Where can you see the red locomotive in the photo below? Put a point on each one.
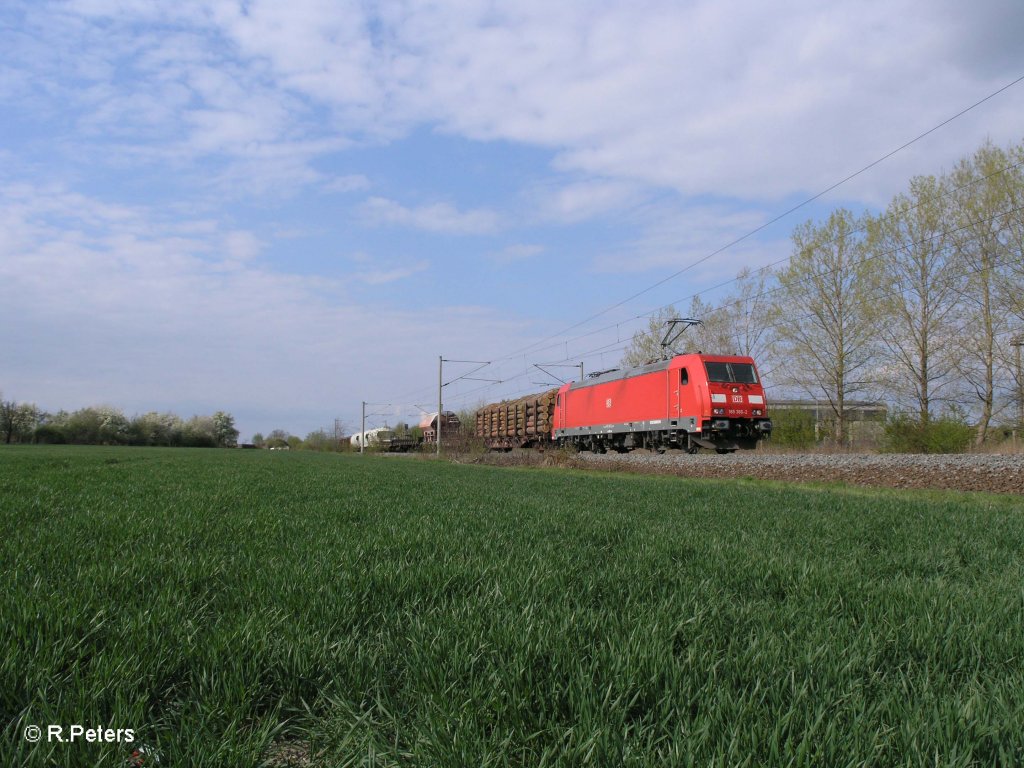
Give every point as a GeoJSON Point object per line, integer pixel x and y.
{"type": "Point", "coordinates": [690, 401]}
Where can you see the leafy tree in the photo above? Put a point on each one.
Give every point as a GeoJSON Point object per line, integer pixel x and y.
{"type": "Point", "coordinates": [751, 312]}
{"type": "Point", "coordinates": [949, 433]}
{"type": "Point", "coordinates": [984, 245]}
{"type": "Point", "coordinates": [155, 429]}
{"type": "Point", "coordinates": [793, 428]}
{"type": "Point", "coordinates": [49, 434]}
{"type": "Point", "coordinates": [8, 409]}
{"type": "Point", "coordinates": [257, 440]}
{"type": "Point", "coordinates": [17, 421]}
{"type": "Point", "coordinates": [741, 324]}
{"type": "Point", "coordinates": [198, 432]}
{"type": "Point", "coordinates": [738, 325]}
{"type": "Point", "coordinates": [330, 438]}
{"type": "Point", "coordinates": [82, 427]}
{"type": "Point", "coordinates": [827, 330]}
{"type": "Point", "coordinates": [1011, 277]}
{"type": "Point", "coordinates": [921, 282]}
{"type": "Point", "coordinates": [319, 440]}
{"type": "Point", "coordinates": [278, 438]}
{"type": "Point", "coordinates": [645, 346]}
{"type": "Point", "coordinates": [224, 432]}
{"type": "Point", "coordinates": [712, 335]}
{"type": "Point", "coordinates": [113, 426]}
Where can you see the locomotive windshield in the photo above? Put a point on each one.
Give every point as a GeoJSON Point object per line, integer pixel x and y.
{"type": "Point", "coordinates": [731, 373]}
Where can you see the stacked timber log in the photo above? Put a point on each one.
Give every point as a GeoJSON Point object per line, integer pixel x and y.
{"type": "Point", "coordinates": [518, 421]}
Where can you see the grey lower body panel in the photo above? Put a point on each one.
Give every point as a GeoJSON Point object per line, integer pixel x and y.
{"type": "Point", "coordinates": [690, 433]}
{"type": "Point", "coordinates": [686, 424]}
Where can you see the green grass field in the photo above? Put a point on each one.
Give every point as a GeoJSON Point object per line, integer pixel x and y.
{"type": "Point", "coordinates": [236, 607]}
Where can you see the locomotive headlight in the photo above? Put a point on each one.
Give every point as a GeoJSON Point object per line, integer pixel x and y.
{"type": "Point", "coordinates": [718, 411]}
{"type": "Point", "coordinates": [757, 412]}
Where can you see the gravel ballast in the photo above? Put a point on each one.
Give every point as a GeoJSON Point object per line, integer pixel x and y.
{"type": "Point", "coordinates": [962, 472]}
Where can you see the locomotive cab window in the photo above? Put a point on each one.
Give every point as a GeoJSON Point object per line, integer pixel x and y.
{"type": "Point", "coordinates": [731, 373]}
{"type": "Point", "coordinates": [684, 377]}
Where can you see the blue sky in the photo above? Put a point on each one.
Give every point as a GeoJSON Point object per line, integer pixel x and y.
{"type": "Point", "coordinates": [284, 209]}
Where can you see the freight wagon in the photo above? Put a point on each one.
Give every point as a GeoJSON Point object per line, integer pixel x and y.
{"type": "Point", "coordinates": [690, 401]}
{"type": "Point", "coordinates": [385, 439]}
{"type": "Point", "coordinates": [522, 423]}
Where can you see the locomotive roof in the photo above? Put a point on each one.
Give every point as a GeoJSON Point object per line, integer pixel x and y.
{"type": "Point", "coordinates": [661, 365]}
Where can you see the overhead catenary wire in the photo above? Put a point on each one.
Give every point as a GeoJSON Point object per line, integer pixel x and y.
{"type": "Point", "coordinates": [618, 324]}
{"type": "Point", "coordinates": [777, 262]}
{"type": "Point", "coordinates": [534, 346]}
{"type": "Point", "coordinates": [611, 347]}
{"type": "Point", "coordinates": [782, 215]}
{"type": "Point", "coordinates": [761, 270]}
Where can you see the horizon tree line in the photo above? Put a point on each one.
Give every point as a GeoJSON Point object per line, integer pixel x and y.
{"type": "Point", "coordinates": [106, 425]}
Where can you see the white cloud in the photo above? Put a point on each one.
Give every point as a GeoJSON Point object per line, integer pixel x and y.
{"type": "Point", "coordinates": [730, 96]}
{"type": "Point", "coordinates": [727, 97]}
{"type": "Point", "coordinates": [516, 253]}
{"type": "Point", "coordinates": [674, 237]}
{"type": "Point", "coordinates": [240, 245]}
{"type": "Point", "coordinates": [348, 183]}
{"type": "Point", "coordinates": [579, 201]}
{"type": "Point", "coordinates": [384, 276]}
{"type": "Point", "coordinates": [433, 217]}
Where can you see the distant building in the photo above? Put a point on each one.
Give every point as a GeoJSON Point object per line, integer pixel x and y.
{"type": "Point", "coordinates": [865, 420]}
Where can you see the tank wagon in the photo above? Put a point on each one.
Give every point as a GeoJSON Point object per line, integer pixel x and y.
{"type": "Point", "coordinates": [690, 401]}
{"type": "Point", "coordinates": [385, 439]}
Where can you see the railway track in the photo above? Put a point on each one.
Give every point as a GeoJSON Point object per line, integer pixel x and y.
{"type": "Point", "coordinates": [993, 473]}
{"type": "Point", "coordinates": [962, 472]}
